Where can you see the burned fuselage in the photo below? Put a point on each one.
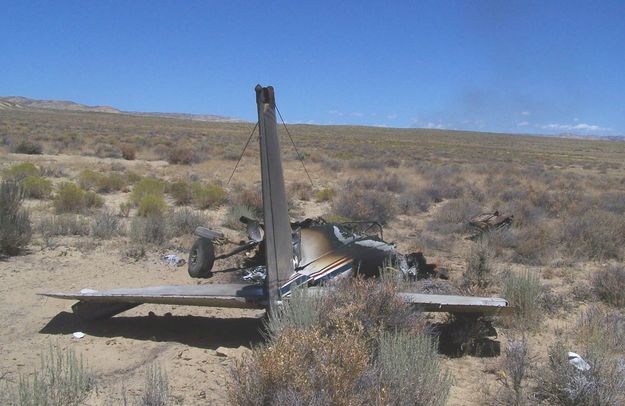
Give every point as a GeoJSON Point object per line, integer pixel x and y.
{"type": "Point", "coordinates": [325, 251]}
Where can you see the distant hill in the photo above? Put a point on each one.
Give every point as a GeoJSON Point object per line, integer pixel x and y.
{"type": "Point", "coordinates": [18, 102]}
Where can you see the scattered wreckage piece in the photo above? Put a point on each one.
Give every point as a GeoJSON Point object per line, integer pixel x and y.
{"type": "Point", "coordinates": [486, 222]}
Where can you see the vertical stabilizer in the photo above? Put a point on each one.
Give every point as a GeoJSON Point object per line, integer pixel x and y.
{"type": "Point", "coordinates": [278, 242]}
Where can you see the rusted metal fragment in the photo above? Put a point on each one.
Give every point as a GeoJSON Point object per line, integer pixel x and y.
{"type": "Point", "coordinates": [489, 222]}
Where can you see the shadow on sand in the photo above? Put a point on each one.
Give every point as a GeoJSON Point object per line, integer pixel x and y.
{"type": "Point", "coordinates": [201, 332]}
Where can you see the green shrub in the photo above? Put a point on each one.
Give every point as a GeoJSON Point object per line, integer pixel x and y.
{"type": "Point", "coordinates": [479, 269]}
{"type": "Point", "coordinates": [146, 187]}
{"type": "Point", "coordinates": [15, 228]}
{"type": "Point", "coordinates": [18, 172]}
{"type": "Point", "coordinates": [151, 205]}
{"type": "Point", "coordinates": [93, 200]}
{"type": "Point", "coordinates": [409, 370]}
{"type": "Point", "coordinates": [69, 198]}
{"type": "Point", "coordinates": [62, 379]}
{"type": "Point", "coordinates": [103, 150]}
{"type": "Point", "coordinates": [300, 190]}
{"type": "Point", "coordinates": [36, 187]}
{"type": "Point", "coordinates": [149, 230]}
{"type": "Point", "coordinates": [124, 209]}
{"type": "Point", "coordinates": [88, 179]}
{"type": "Point", "coordinates": [181, 192]}
{"type": "Point", "coordinates": [105, 225]}
{"type": "Point", "coordinates": [113, 182]}
{"type": "Point", "coordinates": [208, 196]}
{"type": "Point", "coordinates": [91, 180]}
{"type": "Point", "coordinates": [185, 221]}
{"type": "Point", "coordinates": [324, 195]}
{"type": "Point", "coordinates": [524, 291]}
{"type": "Point", "coordinates": [64, 224]}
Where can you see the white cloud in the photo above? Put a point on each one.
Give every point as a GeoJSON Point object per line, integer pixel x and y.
{"type": "Point", "coordinates": [523, 124]}
{"type": "Point", "coordinates": [574, 127]}
{"type": "Point", "coordinates": [336, 113]}
{"type": "Point", "coordinates": [392, 116]}
{"type": "Point", "coordinates": [434, 125]}
{"type": "Point", "coordinates": [522, 113]}
{"type": "Point", "coordinates": [356, 114]}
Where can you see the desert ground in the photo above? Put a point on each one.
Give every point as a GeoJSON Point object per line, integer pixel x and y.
{"type": "Point", "coordinates": [567, 197]}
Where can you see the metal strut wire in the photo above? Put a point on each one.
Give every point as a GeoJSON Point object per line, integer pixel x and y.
{"type": "Point", "coordinates": [242, 152]}
{"type": "Point", "coordinates": [300, 157]}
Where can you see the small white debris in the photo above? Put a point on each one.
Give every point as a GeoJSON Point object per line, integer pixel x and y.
{"type": "Point", "coordinates": [78, 334]}
{"type": "Point", "coordinates": [173, 260]}
{"type": "Point", "coordinates": [86, 290]}
{"type": "Point", "coordinates": [578, 362]}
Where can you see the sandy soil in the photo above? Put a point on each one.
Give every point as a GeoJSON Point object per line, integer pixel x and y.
{"type": "Point", "coordinates": [195, 346]}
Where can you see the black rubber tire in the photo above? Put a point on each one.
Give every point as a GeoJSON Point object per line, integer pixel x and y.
{"type": "Point", "coordinates": [201, 258]}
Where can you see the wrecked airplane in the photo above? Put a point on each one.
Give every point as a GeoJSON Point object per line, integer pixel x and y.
{"type": "Point", "coordinates": [284, 255]}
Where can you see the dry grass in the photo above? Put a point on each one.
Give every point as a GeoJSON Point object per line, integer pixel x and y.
{"type": "Point", "coordinates": [15, 228]}
{"type": "Point", "coordinates": [567, 198]}
{"type": "Point", "coordinates": [363, 345]}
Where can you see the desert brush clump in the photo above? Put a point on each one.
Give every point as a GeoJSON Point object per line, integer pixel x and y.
{"type": "Point", "coordinates": [147, 187]}
{"type": "Point", "coordinates": [358, 345]}
{"type": "Point", "coordinates": [150, 205]}
{"type": "Point", "coordinates": [15, 227]}
{"type": "Point", "coordinates": [181, 192]}
{"type": "Point", "coordinates": [234, 214]}
{"type": "Point", "coordinates": [524, 292]}
{"type": "Point", "coordinates": [185, 220]}
{"type": "Point", "coordinates": [152, 229]}
{"type": "Point", "coordinates": [479, 272]}
{"type": "Point", "coordinates": [106, 225]}
{"type": "Point", "coordinates": [36, 187]}
{"type": "Point", "coordinates": [561, 383]}
{"type": "Point", "coordinates": [358, 204]}
{"type": "Point", "coordinates": [324, 195]}
{"type": "Point", "coordinates": [63, 225]}
{"type": "Point", "coordinates": [18, 172]}
{"type": "Point", "coordinates": [248, 197]}
{"type": "Point", "coordinates": [609, 284]}
{"type": "Point", "coordinates": [91, 180]}
{"type": "Point", "coordinates": [70, 198]}
{"type": "Point", "coordinates": [515, 367]}
{"type": "Point", "coordinates": [28, 147]}
{"type": "Point", "coordinates": [182, 155]}
{"type": "Point", "coordinates": [128, 151]}
{"type": "Point", "coordinates": [206, 196]}
{"type": "Point", "coordinates": [156, 387]}
{"type": "Point", "coordinates": [62, 379]}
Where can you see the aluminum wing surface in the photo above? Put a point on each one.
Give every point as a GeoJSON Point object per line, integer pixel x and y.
{"type": "Point", "coordinates": [218, 295]}
{"type": "Point", "coordinates": [457, 304]}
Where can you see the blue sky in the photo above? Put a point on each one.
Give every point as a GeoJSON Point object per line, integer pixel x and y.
{"type": "Point", "coordinates": [531, 67]}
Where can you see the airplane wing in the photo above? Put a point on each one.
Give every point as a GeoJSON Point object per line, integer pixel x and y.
{"type": "Point", "coordinates": [458, 304]}
{"type": "Point", "coordinates": [107, 303]}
